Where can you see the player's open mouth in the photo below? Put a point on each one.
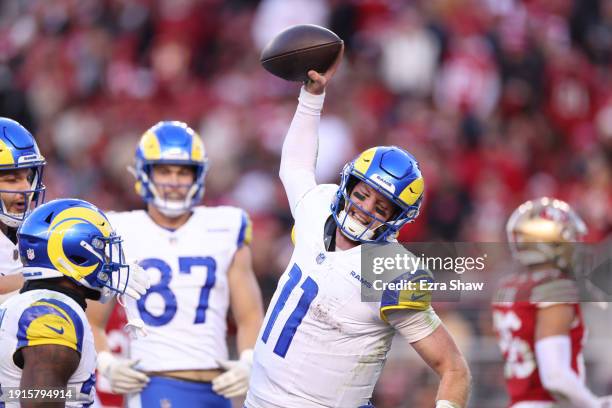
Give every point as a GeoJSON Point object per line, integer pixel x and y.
{"type": "Point", "coordinates": [359, 217]}
{"type": "Point", "coordinates": [18, 207]}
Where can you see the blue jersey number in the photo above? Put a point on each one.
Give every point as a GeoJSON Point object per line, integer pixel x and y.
{"type": "Point", "coordinates": [310, 290]}
{"type": "Point", "coordinates": [163, 289]}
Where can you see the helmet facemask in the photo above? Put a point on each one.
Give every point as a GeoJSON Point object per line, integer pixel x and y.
{"type": "Point", "coordinates": [377, 230]}
{"type": "Point", "coordinates": [171, 207]}
{"type": "Point", "coordinates": [32, 197]}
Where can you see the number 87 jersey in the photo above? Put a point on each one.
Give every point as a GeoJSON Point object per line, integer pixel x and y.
{"type": "Point", "coordinates": [185, 309]}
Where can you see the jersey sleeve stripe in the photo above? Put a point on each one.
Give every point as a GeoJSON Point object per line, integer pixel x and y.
{"type": "Point", "coordinates": [76, 320]}
{"type": "Point", "coordinates": [246, 231]}
{"type": "Point", "coordinates": [49, 321]}
{"type": "Point", "coordinates": [406, 299]}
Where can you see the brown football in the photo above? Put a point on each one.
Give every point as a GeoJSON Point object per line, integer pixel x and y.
{"type": "Point", "coordinates": [298, 49]}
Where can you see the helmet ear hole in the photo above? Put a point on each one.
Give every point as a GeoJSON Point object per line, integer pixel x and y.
{"type": "Point", "coordinates": [49, 218]}
{"type": "Point", "coordinates": [78, 260]}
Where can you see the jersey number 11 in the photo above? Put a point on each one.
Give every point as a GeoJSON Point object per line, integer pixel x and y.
{"type": "Point", "coordinates": [310, 288]}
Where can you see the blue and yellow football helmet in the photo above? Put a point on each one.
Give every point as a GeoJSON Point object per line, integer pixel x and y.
{"type": "Point", "coordinates": [73, 238]}
{"type": "Point", "coordinates": [18, 150]}
{"type": "Point", "coordinates": [170, 142]}
{"type": "Point", "coordinates": [392, 172]}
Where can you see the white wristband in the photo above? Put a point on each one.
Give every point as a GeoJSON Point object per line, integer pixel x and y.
{"type": "Point", "coordinates": [247, 356]}
{"type": "Point", "coordinates": [446, 404]}
{"type": "Point", "coordinates": [105, 359]}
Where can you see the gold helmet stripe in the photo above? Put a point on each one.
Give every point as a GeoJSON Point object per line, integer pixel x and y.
{"type": "Point", "coordinates": [411, 194]}
{"type": "Point", "coordinates": [363, 162]}
{"type": "Point", "coordinates": [6, 157]}
{"type": "Point", "coordinates": [150, 146]}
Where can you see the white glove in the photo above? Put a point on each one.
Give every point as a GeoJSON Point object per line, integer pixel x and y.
{"type": "Point", "coordinates": [120, 373]}
{"type": "Point", "coordinates": [137, 281]}
{"type": "Point", "coordinates": [606, 402]}
{"type": "Point", "coordinates": [234, 381]}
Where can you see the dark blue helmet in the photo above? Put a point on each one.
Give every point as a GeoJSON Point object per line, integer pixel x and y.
{"type": "Point", "coordinates": [18, 150]}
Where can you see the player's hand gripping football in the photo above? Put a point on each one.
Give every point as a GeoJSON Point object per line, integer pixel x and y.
{"type": "Point", "coordinates": [234, 381]}
{"type": "Point", "coordinates": [121, 374]}
{"type": "Point", "coordinates": [317, 82]}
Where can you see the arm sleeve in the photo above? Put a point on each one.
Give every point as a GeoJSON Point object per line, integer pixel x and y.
{"type": "Point", "coordinates": [414, 325]}
{"type": "Point", "coordinates": [553, 355]}
{"type": "Point", "coordinates": [299, 155]}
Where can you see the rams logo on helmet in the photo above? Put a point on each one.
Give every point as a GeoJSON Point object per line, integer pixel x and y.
{"type": "Point", "coordinates": [72, 238]}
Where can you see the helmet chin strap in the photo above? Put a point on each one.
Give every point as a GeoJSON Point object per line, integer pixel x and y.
{"type": "Point", "coordinates": [173, 208]}
{"type": "Point", "coordinates": [12, 220]}
{"type": "Point", "coordinates": [9, 221]}
{"type": "Point", "coordinates": [170, 208]}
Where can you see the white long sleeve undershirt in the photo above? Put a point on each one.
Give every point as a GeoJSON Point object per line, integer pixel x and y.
{"type": "Point", "coordinates": [299, 155]}
{"type": "Point", "coordinates": [553, 355]}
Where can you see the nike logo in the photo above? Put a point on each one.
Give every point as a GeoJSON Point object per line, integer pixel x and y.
{"type": "Point", "coordinates": [414, 297]}
{"type": "Point", "coordinates": [411, 190]}
{"type": "Point", "coordinates": [366, 160]}
{"type": "Point", "coordinates": [58, 331]}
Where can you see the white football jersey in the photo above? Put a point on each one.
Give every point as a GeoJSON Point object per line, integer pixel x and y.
{"type": "Point", "coordinates": [185, 310]}
{"type": "Point", "coordinates": [320, 345]}
{"type": "Point", "coordinates": [9, 262]}
{"type": "Point", "coordinates": [9, 256]}
{"type": "Point", "coordinates": [44, 316]}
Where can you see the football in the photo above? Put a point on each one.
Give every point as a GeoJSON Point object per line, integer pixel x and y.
{"type": "Point", "coordinates": [298, 49]}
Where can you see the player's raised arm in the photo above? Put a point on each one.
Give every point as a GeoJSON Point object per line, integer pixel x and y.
{"type": "Point", "coordinates": [299, 155]}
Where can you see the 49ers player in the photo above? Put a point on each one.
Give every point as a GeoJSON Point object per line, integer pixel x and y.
{"type": "Point", "coordinates": [537, 314]}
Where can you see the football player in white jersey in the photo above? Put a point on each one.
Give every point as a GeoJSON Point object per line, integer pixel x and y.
{"type": "Point", "coordinates": [199, 261]}
{"type": "Point", "coordinates": [320, 345]}
{"type": "Point", "coordinates": [21, 189]}
{"type": "Point", "coordinates": [69, 253]}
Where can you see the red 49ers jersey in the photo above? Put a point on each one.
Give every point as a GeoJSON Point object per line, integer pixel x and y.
{"type": "Point", "coordinates": [515, 306]}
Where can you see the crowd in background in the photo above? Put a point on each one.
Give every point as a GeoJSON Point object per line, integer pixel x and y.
{"type": "Point", "coordinates": [499, 100]}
